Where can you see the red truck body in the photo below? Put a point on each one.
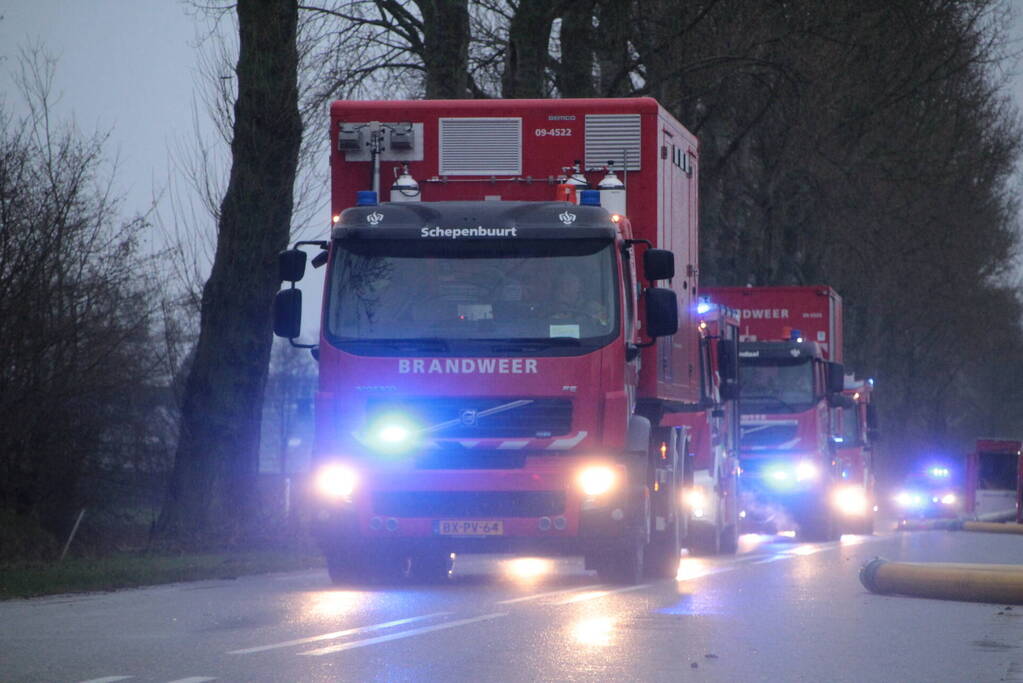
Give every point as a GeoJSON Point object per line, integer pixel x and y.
{"type": "Point", "coordinates": [992, 479]}
{"type": "Point", "coordinates": [854, 451]}
{"type": "Point", "coordinates": [500, 430]}
{"type": "Point", "coordinates": [790, 350]}
{"type": "Point", "coordinates": [713, 429]}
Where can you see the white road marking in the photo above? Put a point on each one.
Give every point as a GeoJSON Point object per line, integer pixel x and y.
{"type": "Point", "coordinates": [548, 594]}
{"type": "Point", "coordinates": [107, 679]}
{"type": "Point", "coordinates": [338, 634]}
{"type": "Point", "coordinates": [593, 595]}
{"type": "Point", "coordinates": [193, 679]}
{"type": "Point", "coordinates": [402, 634]}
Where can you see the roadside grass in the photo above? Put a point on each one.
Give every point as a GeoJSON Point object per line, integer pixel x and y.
{"type": "Point", "coordinates": [77, 575]}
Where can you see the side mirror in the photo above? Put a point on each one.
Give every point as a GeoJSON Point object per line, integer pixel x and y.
{"type": "Point", "coordinates": [288, 313]}
{"type": "Point", "coordinates": [658, 264]}
{"type": "Point", "coordinates": [836, 378]}
{"type": "Point", "coordinates": [871, 416]}
{"type": "Point", "coordinates": [291, 265]}
{"type": "Point", "coordinates": [729, 390]}
{"type": "Point", "coordinates": [661, 312]}
{"type": "Point", "coordinates": [727, 365]}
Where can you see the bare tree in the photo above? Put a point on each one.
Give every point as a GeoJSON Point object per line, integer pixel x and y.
{"type": "Point", "coordinates": [218, 445]}
{"type": "Point", "coordinates": [77, 304]}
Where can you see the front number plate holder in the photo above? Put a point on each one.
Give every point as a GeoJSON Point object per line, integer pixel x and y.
{"type": "Point", "coordinates": [468, 527]}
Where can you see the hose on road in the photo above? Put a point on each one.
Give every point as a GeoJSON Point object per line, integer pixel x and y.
{"type": "Point", "coordinates": [990, 527]}
{"type": "Point", "coordinates": [995, 583]}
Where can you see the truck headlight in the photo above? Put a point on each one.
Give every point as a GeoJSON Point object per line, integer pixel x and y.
{"type": "Point", "coordinates": [696, 500]}
{"type": "Point", "coordinates": [851, 500]}
{"type": "Point", "coordinates": [336, 481]}
{"type": "Point", "coordinates": [806, 471]}
{"type": "Point", "coordinates": [949, 499]}
{"type": "Point", "coordinates": [596, 480]}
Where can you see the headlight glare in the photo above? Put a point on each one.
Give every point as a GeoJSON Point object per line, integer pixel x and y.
{"type": "Point", "coordinates": [596, 480]}
{"type": "Point", "coordinates": [336, 481]}
{"type": "Point", "coordinates": [806, 470]}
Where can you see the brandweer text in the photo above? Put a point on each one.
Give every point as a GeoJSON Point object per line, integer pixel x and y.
{"type": "Point", "coordinates": [468, 366]}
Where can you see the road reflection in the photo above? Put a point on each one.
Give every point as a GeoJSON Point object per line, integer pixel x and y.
{"type": "Point", "coordinates": [331, 604]}
{"type": "Point", "coordinates": [594, 631]}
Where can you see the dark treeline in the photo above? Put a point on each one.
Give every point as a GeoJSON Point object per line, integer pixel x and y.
{"type": "Point", "coordinates": [865, 145]}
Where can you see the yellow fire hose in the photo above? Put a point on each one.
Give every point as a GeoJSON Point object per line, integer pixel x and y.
{"type": "Point", "coordinates": [991, 527]}
{"type": "Point", "coordinates": [997, 583]}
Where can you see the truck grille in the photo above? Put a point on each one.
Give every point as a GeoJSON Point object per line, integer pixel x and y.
{"type": "Point", "coordinates": [469, 504]}
{"type": "Point", "coordinates": [534, 418]}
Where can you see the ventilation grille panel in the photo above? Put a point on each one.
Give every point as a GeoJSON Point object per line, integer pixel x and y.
{"type": "Point", "coordinates": [481, 146]}
{"type": "Point", "coordinates": [613, 137]}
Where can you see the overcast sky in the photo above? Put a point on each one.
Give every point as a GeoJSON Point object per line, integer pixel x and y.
{"type": "Point", "coordinates": [130, 66]}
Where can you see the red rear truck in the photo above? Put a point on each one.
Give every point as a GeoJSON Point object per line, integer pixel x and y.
{"type": "Point", "coordinates": [711, 493]}
{"type": "Point", "coordinates": [791, 378]}
{"type": "Point", "coordinates": [498, 342]}
{"type": "Point", "coordinates": [854, 452]}
{"type": "Point", "coordinates": [991, 485]}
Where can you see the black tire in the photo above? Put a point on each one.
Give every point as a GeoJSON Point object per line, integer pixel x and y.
{"type": "Point", "coordinates": [432, 567]}
{"type": "Point", "coordinates": [704, 539]}
{"type": "Point", "coordinates": [342, 568]}
{"type": "Point", "coordinates": [729, 540]}
{"type": "Point", "coordinates": [623, 566]}
{"type": "Point", "coordinates": [366, 567]}
{"type": "Point", "coordinates": [664, 552]}
{"type": "Point", "coordinates": [817, 526]}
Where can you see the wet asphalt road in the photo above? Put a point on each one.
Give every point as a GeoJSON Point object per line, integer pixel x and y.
{"type": "Point", "coordinates": [778, 611]}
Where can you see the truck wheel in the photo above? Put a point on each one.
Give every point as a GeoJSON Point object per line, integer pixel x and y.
{"type": "Point", "coordinates": [342, 568]}
{"type": "Point", "coordinates": [817, 526]}
{"type": "Point", "coordinates": [704, 539]}
{"type": "Point", "coordinates": [664, 552]}
{"type": "Point", "coordinates": [432, 567]}
{"type": "Point", "coordinates": [623, 566]}
{"type": "Point", "coordinates": [729, 540]}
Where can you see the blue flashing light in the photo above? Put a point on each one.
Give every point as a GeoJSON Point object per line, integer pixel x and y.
{"type": "Point", "coordinates": [366, 198]}
{"type": "Point", "coordinates": [392, 434]}
{"type": "Point", "coordinates": [703, 307]}
{"type": "Point", "coordinates": [796, 336]}
{"type": "Point", "coordinates": [589, 198]}
{"type": "Point", "coordinates": [939, 472]}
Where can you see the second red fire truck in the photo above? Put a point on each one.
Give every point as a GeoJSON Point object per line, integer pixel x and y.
{"type": "Point", "coordinates": [791, 378]}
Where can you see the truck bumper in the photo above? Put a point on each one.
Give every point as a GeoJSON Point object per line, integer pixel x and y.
{"type": "Point", "coordinates": [582, 530]}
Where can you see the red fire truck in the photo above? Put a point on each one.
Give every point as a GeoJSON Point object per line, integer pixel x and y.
{"type": "Point", "coordinates": [498, 342]}
{"type": "Point", "coordinates": [854, 498]}
{"type": "Point", "coordinates": [991, 486]}
{"type": "Point", "coordinates": [711, 493]}
{"type": "Point", "coordinates": [790, 348]}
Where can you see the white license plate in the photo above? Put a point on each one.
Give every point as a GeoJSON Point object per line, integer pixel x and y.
{"type": "Point", "coordinates": [467, 527]}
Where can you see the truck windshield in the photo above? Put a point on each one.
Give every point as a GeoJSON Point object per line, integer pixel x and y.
{"type": "Point", "coordinates": [773, 386]}
{"type": "Point", "coordinates": [473, 295]}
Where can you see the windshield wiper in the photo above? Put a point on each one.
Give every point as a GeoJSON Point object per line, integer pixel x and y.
{"type": "Point", "coordinates": [766, 397]}
{"type": "Point", "coordinates": [529, 344]}
{"type": "Point", "coordinates": [417, 343]}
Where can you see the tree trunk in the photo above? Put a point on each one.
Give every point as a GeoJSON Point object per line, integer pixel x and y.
{"type": "Point", "coordinates": [575, 72]}
{"type": "Point", "coordinates": [445, 48]}
{"type": "Point", "coordinates": [217, 457]}
{"type": "Point", "coordinates": [527, 53]}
